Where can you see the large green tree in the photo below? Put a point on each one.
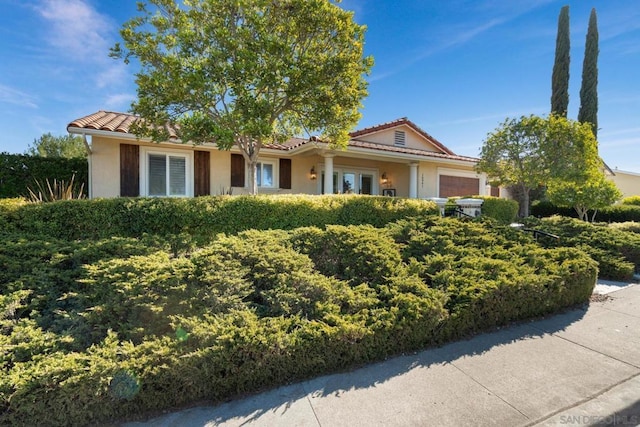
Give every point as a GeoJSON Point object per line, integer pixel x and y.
{"type": "Point", "coordinates": [560, 76]}
{"type": "Point", "coordinates": [67, 146]}
{"type": "Point", "coordinates": [589, 90]}
{"type": "Point", "coordinates": [246, 72]}
{"type": "Point", "coordinates": [511, 156]}
{"type": "Point", "coordinates": [534, 151]}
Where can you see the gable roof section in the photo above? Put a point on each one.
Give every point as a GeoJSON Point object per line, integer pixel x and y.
{"type": "Point", "coordinates": [359, 134]}
{"type": "Point", "coordinates": [120, 123]}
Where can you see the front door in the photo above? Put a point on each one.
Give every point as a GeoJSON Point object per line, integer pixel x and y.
{"type": "Point", "coordinates": [366, 184]}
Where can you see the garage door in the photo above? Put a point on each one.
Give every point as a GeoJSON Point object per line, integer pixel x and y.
{"type": "Point", "coordinates": [451, 186]}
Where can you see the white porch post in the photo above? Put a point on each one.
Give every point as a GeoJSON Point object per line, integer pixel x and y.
{"type": "Point", "coordinates": [328, 174]}
{"type": "Point", "coordinates": [483, 186]}
{"type": "Point", "coordinates": [413, 180]}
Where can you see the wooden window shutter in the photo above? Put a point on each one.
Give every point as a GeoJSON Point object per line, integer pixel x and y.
{"type": "Point", "coordinates": [202, 173]}
{"type": "Point", "coordinates": [237, 170]}
{"type": "Point", "coordinates": [285, 174]}
{"type": "Point", "coordinates": [129, 170]}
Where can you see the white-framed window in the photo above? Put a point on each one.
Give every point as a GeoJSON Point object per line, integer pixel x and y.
{"type": "Point", "coordinates": [166, 173]}
{"type": "Point", "coordinates": [266, 174]}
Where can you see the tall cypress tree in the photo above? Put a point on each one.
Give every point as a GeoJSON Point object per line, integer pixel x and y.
{"type": "Point", "coordinates": [560, 77]}
{"type": "Point", "coordinates": [589, 90]}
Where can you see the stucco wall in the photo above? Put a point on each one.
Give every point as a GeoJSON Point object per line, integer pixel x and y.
{"type": "Point", "coordinates": [105, 167]}
{"type": "Point", "coordinates": [412, 138]}
{"type": "Point", "coordinates": [105, 175]}
{"type": "Point", "coordinates": [627, 182]}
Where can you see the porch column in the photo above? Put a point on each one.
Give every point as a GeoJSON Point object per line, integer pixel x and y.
{"type": "Point", "coordinates": [413, 180]}
{"type": "Point", "coordinates": [483, 186]}
{"type": "Point", "coordinates": [328, 173]}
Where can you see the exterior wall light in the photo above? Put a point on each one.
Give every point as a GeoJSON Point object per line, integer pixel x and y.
{"type": "Point", "coordinates": [312, 173]}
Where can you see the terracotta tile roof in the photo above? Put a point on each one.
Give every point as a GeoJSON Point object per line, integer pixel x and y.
{"type": "Point", "coordinates": [404, 150]}
{"type": "Point", "coordinates": [287, 145]}
{"type": "Point", "coordinates": [399, 122]}
{"type": "Point", "coordinates": [105, 120]}
{"type": "Point", "coordinates": [121, 123]}
{"type": "Point", "coordinates": [112, 122]}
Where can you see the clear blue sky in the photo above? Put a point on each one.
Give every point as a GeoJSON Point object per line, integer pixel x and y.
{"type": "Point", "coordinates": [457, 68]}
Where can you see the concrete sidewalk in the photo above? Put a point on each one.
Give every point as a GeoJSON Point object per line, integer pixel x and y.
{"type": "Point", "coordinates": [577, 368]}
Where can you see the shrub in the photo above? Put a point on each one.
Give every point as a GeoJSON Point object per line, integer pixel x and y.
{"type": "Point", "coordinates": [630, 226]}
{"type": "Point", "coordinates": [110, 328]}
{"type": "Point", "coordinates": [631, 200]}
{"type": "Point", "coordinates": [615, 213]}
{"type": "Point", "coordinates": [58, 190]}
{"type": "Point", "coordinates": [617, 252]}
{"type": "Point", "coordinates": [20, 171]}
{"type": "Point", "coordinates": [543, 209]}
{"type": "Point", "coordinates": [619, 213]}
{"type": "Point", "coordinates": [202, 217]}
{"type": "Point", "coordinates": [502, 210]}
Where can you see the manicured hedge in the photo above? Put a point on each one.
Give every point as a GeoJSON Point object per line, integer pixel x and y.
{"type": "Point", "coordinates": [543, 209]}
{"type": "Point", "coordinates": [615, 213]}
{"type": "Point", "coordinates": [631, 200]}
{"type": "Point", "coordinates": [20, 171]}
{"type": "Point", "coordinates": [202, 217]}
{"type": "Point", "coordinates": [502, 210]}
{"type": "Point", "coordinates": [505, 211]}
{"type": "Point", "coordinates": [98, 330]}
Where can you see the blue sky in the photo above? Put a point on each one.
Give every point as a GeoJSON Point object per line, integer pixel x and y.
{"type": "Point", "coordinates": [457, 68]}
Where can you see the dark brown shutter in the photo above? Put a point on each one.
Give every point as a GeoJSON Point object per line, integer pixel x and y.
{"type": "Point", "coordinates": [201, 173]}
{"type": "Point", "coordinates": [451, 186]}
{"type": "Point", "coordinates": [237, 170]}
{"type": "Point", "coordinates": [129, 170]}
{"type": "Point", "coordinates": [495, 191]}
{"type": "Point", "coordinates": [285, 174]}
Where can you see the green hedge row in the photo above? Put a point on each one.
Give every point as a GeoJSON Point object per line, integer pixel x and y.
{"type": "Point", "coordinates": [631, 200]}
{"type": "Point", "coordinates": [202, 217]}
{"type": "Point", "coordinates": [107, 329]}
{"type": "Point", "coordinates": [20, 171]}
{"type": "Point", "coordinates": [505, 211]}
{"type": "Point", "coordinates": [615, 213]}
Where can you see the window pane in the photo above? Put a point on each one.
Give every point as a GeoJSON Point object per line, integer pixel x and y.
{"type": "Point", "coordinates": [348, 183]}
{"type": "Point", "coordinates": [267, 175]}
{"type": "Point", "coordinates": [259, 174]}
{"type": "Point", "coordinates": [157, 175]}
{"type": "Point", "coordinates": [177, 176]}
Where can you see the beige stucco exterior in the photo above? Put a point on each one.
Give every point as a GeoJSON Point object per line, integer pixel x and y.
{"type": "Point", "coordinates": [627, 182]}
{"type": "Point", "coordinates": [412, 138]}
{"type": "Point", "coordinates": [409, 171]}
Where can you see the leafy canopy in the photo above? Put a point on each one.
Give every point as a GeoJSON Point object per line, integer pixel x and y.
{"type": "Point", "coordinates": [66, 146]}
{"type": "Point", "coordinates": [246, 72]}
{"type": "Point", "coordinates": [534, 151]}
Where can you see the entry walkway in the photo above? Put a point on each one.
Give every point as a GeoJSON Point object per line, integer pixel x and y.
{"type": "Point", "coordinates": [577, 368]}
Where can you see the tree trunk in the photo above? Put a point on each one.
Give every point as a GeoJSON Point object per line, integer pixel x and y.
{"type": "Point", "coordinates": [253, 176]}
{"type": "Point", "coordinates": [525, 201]}
{"type": "Point", "coordinates": [250, 152]}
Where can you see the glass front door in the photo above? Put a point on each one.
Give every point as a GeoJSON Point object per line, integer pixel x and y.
{"type": "Point", "coordinates": [351, 181]}
{"type": "Point", "coordinates": [366, 184]}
